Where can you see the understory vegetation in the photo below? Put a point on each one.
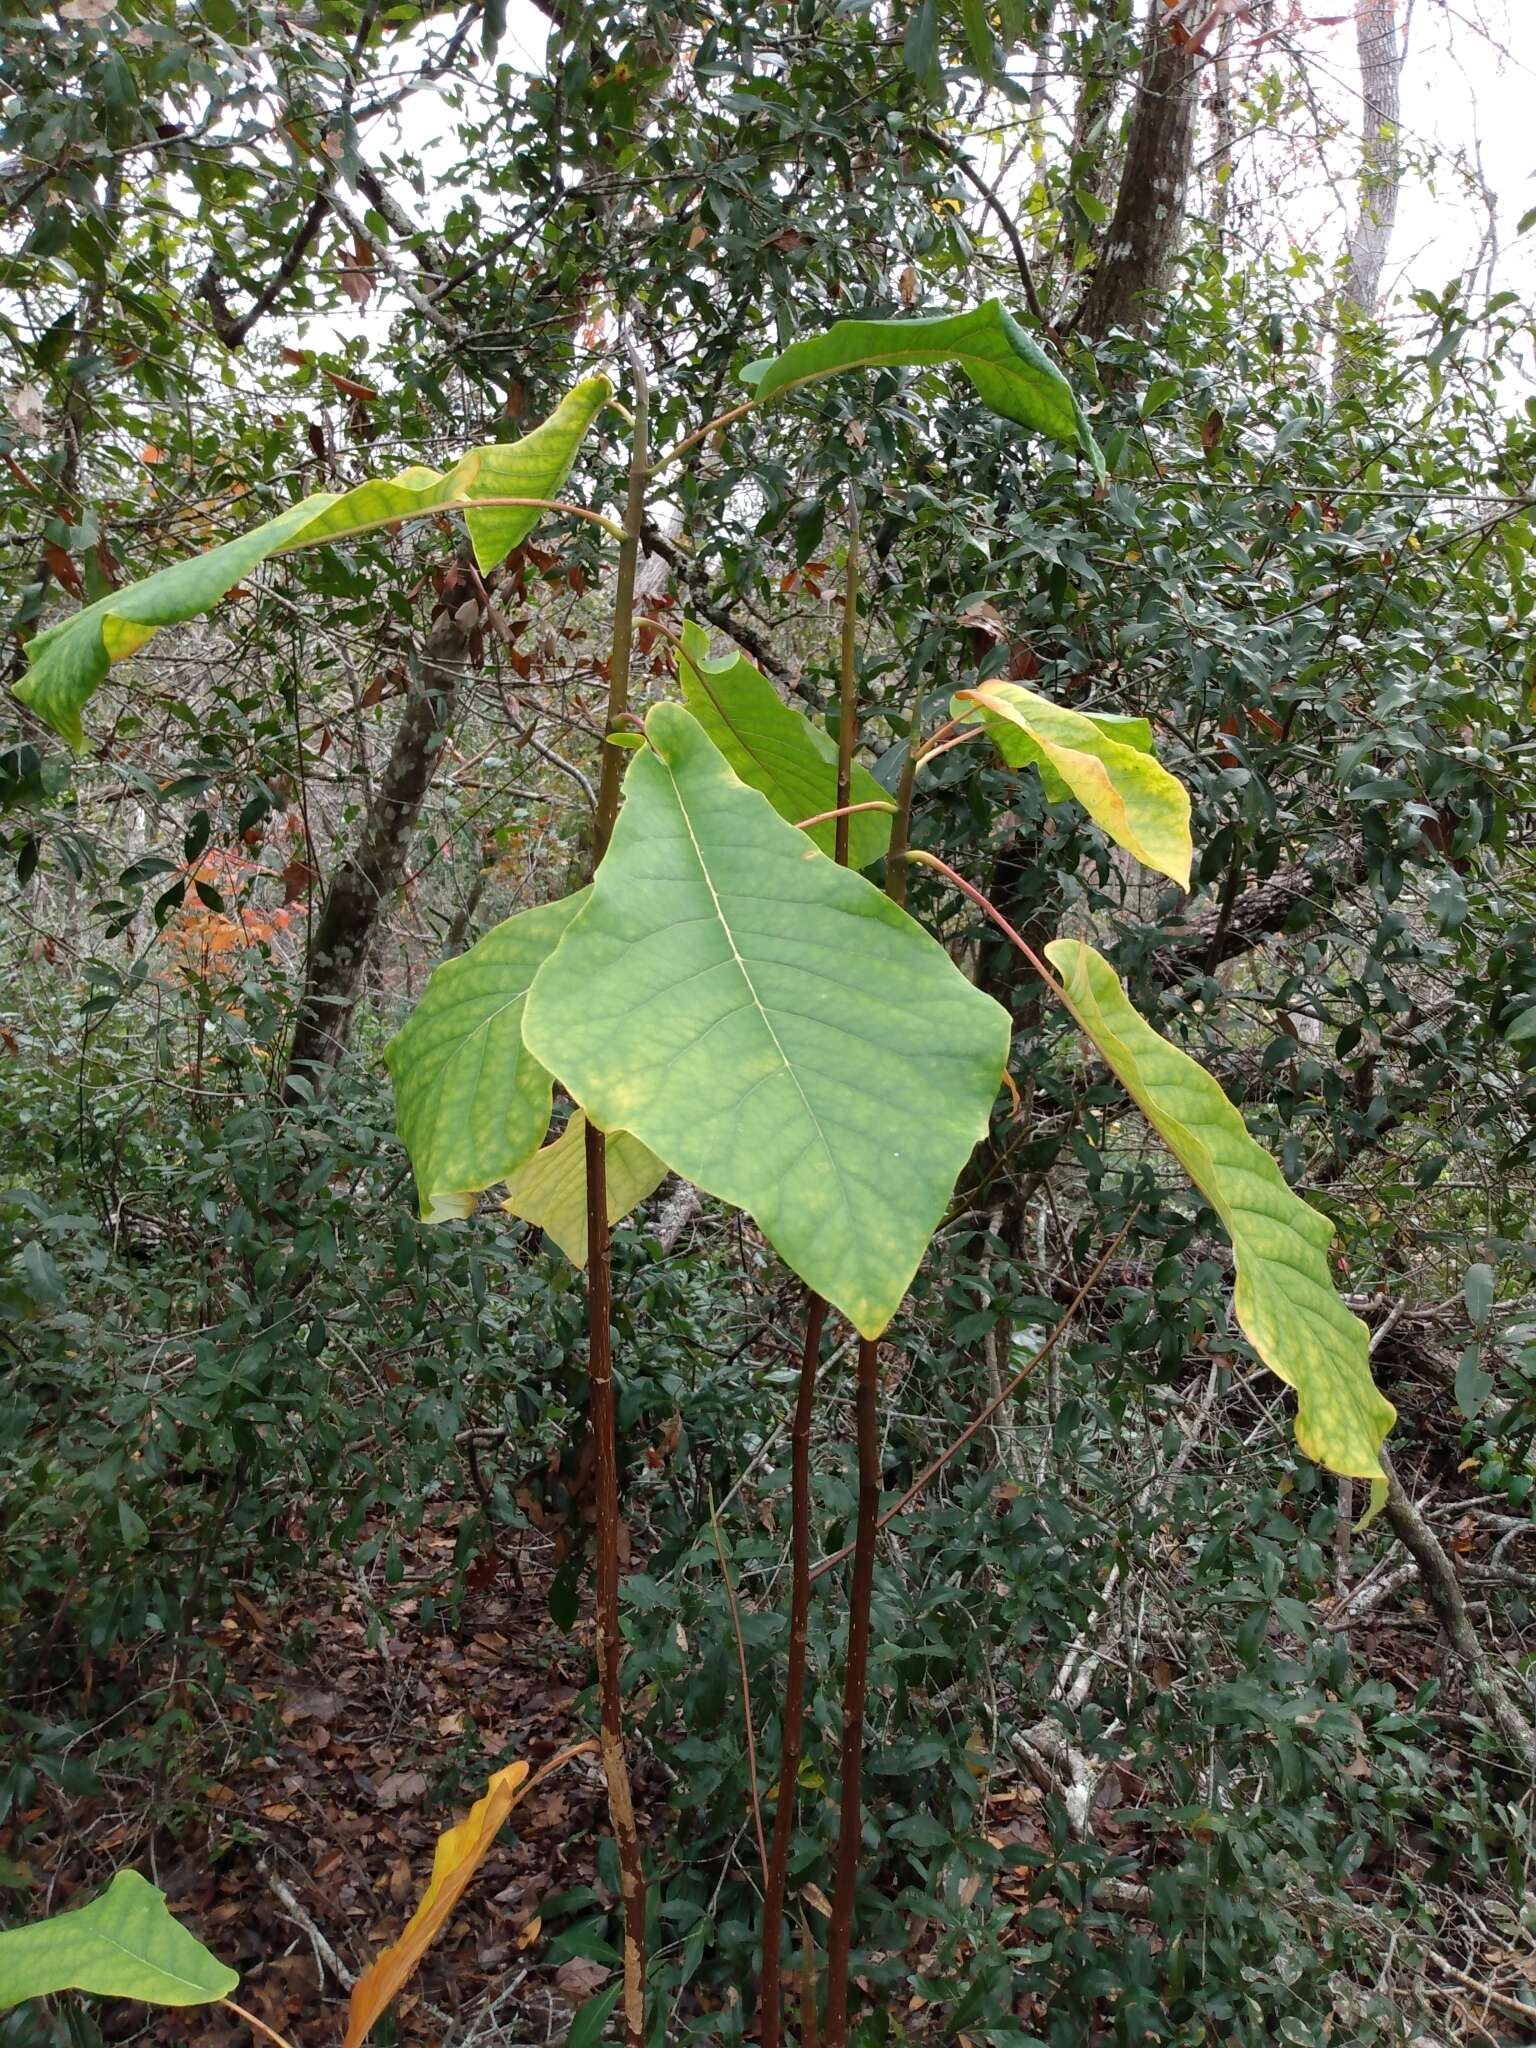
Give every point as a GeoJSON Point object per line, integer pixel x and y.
{"type": "Point", "coordinates": [1180, 1724]}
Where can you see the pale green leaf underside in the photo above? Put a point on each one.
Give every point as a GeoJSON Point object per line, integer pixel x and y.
{"type": "Point", "coordinates": [1284, 1296]}
{"type": "Point", "coordinates": [71, 659]}
{"type": "Point", "coordinates": [471, 1102]}
{"type": "Point", "coordinates": [551, 1189]}
{"type": "Point", "coordinates": [770, 1025]}
{"type": "Point", "coordinates": [1009, 369]}
{"type": "Point", "coordinates": [776, 749]}
{"type": "Point", "coordinates": [125, 1944]}
{"type": "Point", "coordinates": [1128, 794]}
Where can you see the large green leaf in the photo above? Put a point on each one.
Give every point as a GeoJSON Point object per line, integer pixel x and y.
{"type": "Point", "coordinates": [69, 660]}
{"type": "Point", "coordinates": [123, 1945]}
{"type": "Point", "coordinates": [471, 1102]}
{"type": "Point", "coordinates": [776, 749]}
{"type": "Point", "coordinates": [770, 1025]}
{"type": "Point", "coordinates": [550, 1189]}
{"type": "Point", "coordinates": [1284, 1296]}
{"type": "Point", "coordinates": [1103, 763]}
{"type": "Point", "coordinates": [1008, 368]}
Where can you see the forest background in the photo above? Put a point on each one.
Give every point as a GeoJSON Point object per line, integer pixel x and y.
{"type": "Point", "coordinates": [297, 1489]}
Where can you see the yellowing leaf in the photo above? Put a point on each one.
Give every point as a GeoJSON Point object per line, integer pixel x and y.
{"type": "Point", "coordinates": [69, 660]}
{"type": "Point", "coordinates": [551, 1188]}
{"type": "Point", "coordinates": [1284, 1296]}
{"type": "Point", "coordinates": [460, 1852]}
{"type": "Point", "coordinates": [1107, 765]}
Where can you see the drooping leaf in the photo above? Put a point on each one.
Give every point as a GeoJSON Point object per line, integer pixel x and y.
{"type": "Point", "coordinates": [550, 1189]}
{"type": "Point", "coordinates": [460, 1852]}
{"type": "Point", "coordinates": [776, 749]}
{"type": "Point", "coordinates": [1284, 1295]}
{"type": "Point", "coordinates": [1126, 792]}
{"type": "Point", "coordinates": [770, 1025]}
{"type": "Point", "coordinates": [471, 1102]}
{"type": "Point", "coordinates": [1479, 1290]}
{"type": "Point", "coordinates": [125, 1944]}
{"type": "Point", "coordinates": [1009, 369]}
{"type": "Point", "coordinates": [71, 659]}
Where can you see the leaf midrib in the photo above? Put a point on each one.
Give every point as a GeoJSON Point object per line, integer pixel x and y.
{"type": "Point", "coordinates": [751, 986]}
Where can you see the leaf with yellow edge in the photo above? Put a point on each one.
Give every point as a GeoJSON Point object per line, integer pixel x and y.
{"type": "Point", "coordinates": [460, 1852]}
{"type": "Point", "coordinates": [1284, 1296]}
{"type": "Point", "coordinates": [1106, 764]}
{"type": "Point", "coordinates": [550, 1190]}
{"type": "Point", "coordinates": [69, 660]}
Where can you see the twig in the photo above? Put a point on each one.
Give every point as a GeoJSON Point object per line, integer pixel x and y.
{"type": "Point", "coordinates": [980, 1421]}
{"type": "Point", "coordinates": [260, 2025]}
{"type": "Point", "coordinates": [1512, 2006]}
{"type": "Point", "coordinates": [792, 1723]}
{"type": "Point", "coordinates": [850, 1825]}
{"type": "Point", "coordinates": [325, 1955]}
{"type": "Point", "coordinates": [1442, 1589]}
{"type": "Point", "coordinates": [746, 1690]}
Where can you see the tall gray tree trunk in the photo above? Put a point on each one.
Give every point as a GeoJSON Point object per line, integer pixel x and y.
{"type": "Point", "coordinates": [367, 880]}
{"type": "Point", "coordinates": [1224, 118]}
{"type": "Point", "coordinates": [1142, 238]}
{"type": "Point", "coordinates": [1379, 40]}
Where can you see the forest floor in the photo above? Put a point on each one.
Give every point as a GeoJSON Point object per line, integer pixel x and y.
{"type": "Point", "coordinates": [294, 1826]}
{"type": "Point", "coordinates": [297, 1826]}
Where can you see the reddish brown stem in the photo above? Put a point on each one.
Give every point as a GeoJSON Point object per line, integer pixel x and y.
{"type": "Point", "coordinates": [984, 903]}
{"type": "Point", "coordinates": [770, 1999]}
{"type": "Point", "coordinates": [848, 684]}
{"type": "Point", "coordinates": [610, 1644]}
{"type": "Point", "coordinates": [746, 1693]}
{"type": "Point", "coordinates": [850, 1827]}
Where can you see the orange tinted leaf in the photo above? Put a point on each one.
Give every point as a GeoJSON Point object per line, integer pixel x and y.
{"type": "Point", "coordinates": [351, 387]}
{"type": "Point", "coordinates": [63, 568]}
{"type": "Point", "coordinates": [460, 1852]}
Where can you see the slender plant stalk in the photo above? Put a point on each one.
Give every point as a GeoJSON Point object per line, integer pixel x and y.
{"type": "Point", "coordinates": [850, 1825]}
{"type": "Point", "coordinates": [612, 774]}
{"type": "Point", "coordinates": [979, 1422]}
{"type": "Point", "coordinates": [770, 1997]}
{"type": "Point", "coordinates": [256, 2025]}
{"type": "Point", "coordinates": [844, 811]}
{"type": "Point", "coordinates": [770, 1994]}
{"type": "Point", "coordinates": [610, 1642]}
{"type": "Point", "coordinates": [746, 1691]}
{"type": "Point", "coordinates": [848, 681]}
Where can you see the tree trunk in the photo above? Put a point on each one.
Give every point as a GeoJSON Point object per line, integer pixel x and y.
{"type": "Point", "coordinates": [1142, 238]}
{"type": "Point", "coordinates": [367, 880]}
{"type": "Point", "coordinates": [1224, 117]}
{"type": "Point", "coordinates": [1379, 43]}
